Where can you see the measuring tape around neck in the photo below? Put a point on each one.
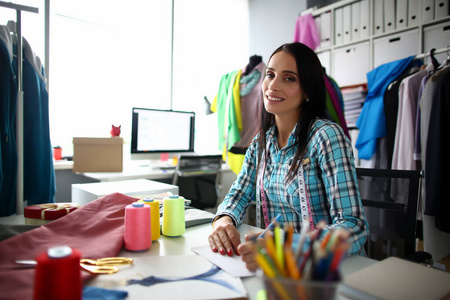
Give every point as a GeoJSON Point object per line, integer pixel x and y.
{"type": "Point", "coordinates": [261, 197]}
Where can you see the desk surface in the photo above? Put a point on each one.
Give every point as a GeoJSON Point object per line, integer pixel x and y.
{"type": "Point", "coordinates": [197, 236]}
{"type": "Point", "coordinates": [135, 171]}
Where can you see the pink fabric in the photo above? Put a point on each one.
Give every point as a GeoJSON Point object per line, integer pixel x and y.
{"type": "Point", "coordinates": [95, 229]}
{"type": "Point", "coordinates": [306, 31]}
{"type": "Point", "coordinates": [337, 107]}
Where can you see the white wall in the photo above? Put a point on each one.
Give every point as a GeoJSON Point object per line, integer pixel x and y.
{"type": "Point", "coordinates": [271, 24]}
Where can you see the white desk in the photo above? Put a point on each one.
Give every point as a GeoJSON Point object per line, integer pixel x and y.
{"type": "Point", "coordinates": [197, 236]}
{"type": "Point", "coordinates": [132, 172]}
{"type": "Point", "coordinates": [86, 192]}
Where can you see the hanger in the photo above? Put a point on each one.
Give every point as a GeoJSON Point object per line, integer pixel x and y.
{"type": "Point", "coordinates": [11, 25]}
{"type": "Point", "coordinates": [433, 59]}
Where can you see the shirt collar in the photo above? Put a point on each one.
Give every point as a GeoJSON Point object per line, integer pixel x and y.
{"type": "Point", "coordinates": [271, 137]}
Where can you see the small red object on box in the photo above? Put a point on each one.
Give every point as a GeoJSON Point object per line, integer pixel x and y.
{"type": "Point", "coordinates": [41, 214]}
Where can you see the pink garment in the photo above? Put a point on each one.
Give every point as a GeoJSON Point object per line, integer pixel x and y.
{"type": "Point", "coordinates": [306, 31]}
{"type": "Point", "coordinates": [95, 229]}
{"type": "Point", "coordinates": [337, 107]}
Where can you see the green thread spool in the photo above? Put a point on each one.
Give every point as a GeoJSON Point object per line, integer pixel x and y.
{"type": "Point", "coordinates": [173, 216]}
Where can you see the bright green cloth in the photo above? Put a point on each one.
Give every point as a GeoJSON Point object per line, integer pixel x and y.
{"type": "Point", "coordinates": [227, 106]}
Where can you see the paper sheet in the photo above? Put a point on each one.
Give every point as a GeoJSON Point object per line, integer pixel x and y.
{"type": "Point", "coordinates": [232, 265]}
{"type": "Point", "coordinates": [142, 280]}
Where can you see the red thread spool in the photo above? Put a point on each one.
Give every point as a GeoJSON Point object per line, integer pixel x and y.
{"type": "Point", "coordinates": [137, 229]}
{"type": "Point", "coordinates": [58, 274]}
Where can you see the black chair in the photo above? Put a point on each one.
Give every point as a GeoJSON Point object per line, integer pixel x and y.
{"type": "Point", "coordinates": [196, 177]}
{"type": "Point", "coordinates": [390, 199]}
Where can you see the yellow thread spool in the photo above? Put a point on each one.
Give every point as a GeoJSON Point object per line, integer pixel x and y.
{"type": "Point", "coordinates": [154, 217]}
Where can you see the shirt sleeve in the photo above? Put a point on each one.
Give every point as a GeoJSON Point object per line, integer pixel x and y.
{"type": "Point", "coordinates": [242, 191]}
{"type": "Point", "coordinates": [341, 186]}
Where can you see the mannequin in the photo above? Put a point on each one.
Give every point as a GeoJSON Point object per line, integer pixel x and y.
{"type": "Point", "coordinates": [253, 62]}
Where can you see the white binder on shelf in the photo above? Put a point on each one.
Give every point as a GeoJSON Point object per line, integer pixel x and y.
{"type": "Point", "coordinates": [378, 17]}
{"type": "Point", "coordinates": [338, 26]}
{"type": "Point", "coordinates": [437, 36]}
{"type": "Point", "coordinates": [389, 15]}
{"type": "Point", "coordinates": [318, 24]}
{"type": "Point", "coordinates": [325, 29]}
{"type": "Point", "coordinates": [355, 11]}
{"type": "Point", "coordinates": [395, 46]}
{"type": "Point", "coordinates": [350, 65]}
{"type": "Point", "coordinates": [364, 19]}
{"type": "Point", "coordinates": [401, 16]}
{"type": "Point", "coordinates": [347, 21]}
{"type": "Point", "coordinates": [325, 60]}
{"type": "Point", "coordinates": [427, 10]}
{"type": "Point", "coordinates": [414, 12]}
{"type": "Point", "coordinates": [441, 9]}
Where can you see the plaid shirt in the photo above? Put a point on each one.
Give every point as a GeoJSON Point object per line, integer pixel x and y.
{"type": "Point", "coordinates": [330, 179]}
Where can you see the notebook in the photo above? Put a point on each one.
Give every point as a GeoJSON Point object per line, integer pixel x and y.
{"type": "Point", "coordinates": [395, 278]}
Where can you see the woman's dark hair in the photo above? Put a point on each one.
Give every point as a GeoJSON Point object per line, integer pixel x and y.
{"type": "Point", "coordinates": [311, 76]}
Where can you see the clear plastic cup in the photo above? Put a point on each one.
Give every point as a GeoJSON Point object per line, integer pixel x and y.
{"type": "Point", "coordinates": [287, 289]}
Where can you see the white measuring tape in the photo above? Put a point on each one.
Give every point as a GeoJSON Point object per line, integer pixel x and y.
{"type": "Point", "coordinates": [261, 197]}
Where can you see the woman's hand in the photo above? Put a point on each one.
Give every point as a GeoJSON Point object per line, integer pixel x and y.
{"type": "Point", "coordinates": [248, 252]}
{"type": "Point", "coordinates": [225, 237]}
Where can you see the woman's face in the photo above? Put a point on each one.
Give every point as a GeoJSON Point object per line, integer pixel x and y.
{"type": "Point", "coordinates": [283, 94]}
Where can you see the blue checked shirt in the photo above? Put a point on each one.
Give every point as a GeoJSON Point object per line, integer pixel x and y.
{"type": "Point", "coordinates": [330, 179]}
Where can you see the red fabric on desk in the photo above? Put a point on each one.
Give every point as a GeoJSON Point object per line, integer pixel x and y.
{"type": "Point", "coordinates": [96, 229]}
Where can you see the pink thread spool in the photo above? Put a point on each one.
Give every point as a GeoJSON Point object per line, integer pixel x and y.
{"type": "Point", "coordinates": [137, 229]}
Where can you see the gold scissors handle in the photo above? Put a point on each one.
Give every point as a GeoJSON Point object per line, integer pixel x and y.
{"type": "Point", "coordinates": [99, 269]}
{"type": "Point", "coordinates": [104, 265]}
{"type": "Point", "coordinates": [107, 261]}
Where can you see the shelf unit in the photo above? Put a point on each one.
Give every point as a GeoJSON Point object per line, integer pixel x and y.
{"type": "Point", "coordinates": [357, 65]}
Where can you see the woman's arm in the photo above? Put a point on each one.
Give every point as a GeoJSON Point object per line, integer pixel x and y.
{"type": "Point", "coordinates": [341, 185]}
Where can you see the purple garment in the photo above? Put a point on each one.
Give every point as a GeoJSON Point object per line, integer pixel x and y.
{"type": "Point", "coordinates": [306, 31]}
{"type": "Point", "coordinates": [418, 136]}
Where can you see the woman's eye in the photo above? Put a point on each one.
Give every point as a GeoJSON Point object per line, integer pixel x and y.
{"type": "Point", "coordinates": [290, 79]}
{"type": "Point", "coordinates": [269, 75]}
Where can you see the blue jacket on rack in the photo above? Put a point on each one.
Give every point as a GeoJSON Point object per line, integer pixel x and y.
{"type": "Point", "coordinates": [372, 122]}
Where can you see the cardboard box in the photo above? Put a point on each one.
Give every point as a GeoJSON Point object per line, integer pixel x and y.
{"type": "Point", "coordinates": [97, 154]}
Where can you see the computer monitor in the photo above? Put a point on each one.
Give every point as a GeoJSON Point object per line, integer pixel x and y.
{"type": "Point", "coordinates": [155, 131]}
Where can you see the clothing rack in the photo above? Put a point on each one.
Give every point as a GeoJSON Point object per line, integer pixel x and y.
{"type": "Point", "coordinates": [426, 54]}
{"type": "Point", "coordinates": [19, 114]}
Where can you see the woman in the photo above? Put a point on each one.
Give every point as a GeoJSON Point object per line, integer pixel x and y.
{"type": "Point", "coordinates": [305, 160]}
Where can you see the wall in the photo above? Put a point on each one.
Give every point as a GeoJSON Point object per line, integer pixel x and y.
{"type": "Point", "coordinates": [271, 24]}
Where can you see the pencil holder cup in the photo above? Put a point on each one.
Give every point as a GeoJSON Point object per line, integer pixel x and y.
{"type": "Point", "coordinates": [173, 216]}
{"type": "Point", "coordinates": [287, 289]}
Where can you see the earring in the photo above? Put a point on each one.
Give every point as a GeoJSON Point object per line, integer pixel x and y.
{"type": "Point", "coordinates": [307, 99]}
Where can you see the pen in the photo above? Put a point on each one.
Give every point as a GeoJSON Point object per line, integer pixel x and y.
{"type": "Point", "coordinates": [279, 251]}
{"type": "Point", "coordinates": [270, 226]}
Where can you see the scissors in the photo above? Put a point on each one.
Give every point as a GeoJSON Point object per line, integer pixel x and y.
{"type": "Point", "coordinates": [105, 265]}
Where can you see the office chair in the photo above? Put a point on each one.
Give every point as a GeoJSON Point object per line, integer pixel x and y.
{"type": "Point", "coordinates": [390, 201]}
{"type": "Point", "coordinates": [196, 177]}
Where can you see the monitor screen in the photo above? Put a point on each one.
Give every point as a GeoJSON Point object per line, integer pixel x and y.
{"type": "Point", "coordinates": [160, 131]}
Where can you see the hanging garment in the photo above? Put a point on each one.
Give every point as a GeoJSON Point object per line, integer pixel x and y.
{"type": "Point", "coordinates": [306, 32]}
{"type": "Point", "coordinates": [403, 154]}
{"type": "Point", "coordinates": [8, 147]}
{"type": "Point", "coordinates": [371, 122]}
{"type": "Point", "coordinates": [335, 108]}
{"type": "Point", "coordinates": [251, 104]}
{"type": "Point", "coordinates": [39, 175]}
{"type": "Point", "coordinates": [437, 159]}
{"type": "Point", "coordinates": [239, 102]}
{"type": "Point", "coordinates": [228, 113]}
{"type": "Point", "coordinates": [390, 105]}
